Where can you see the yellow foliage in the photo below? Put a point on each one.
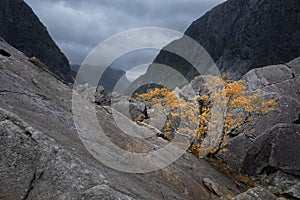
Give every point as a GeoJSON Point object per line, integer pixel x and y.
{"type": "Point", "coordinates": [220, 90]}
{"type": "Point", "coordinates": [235, 88]}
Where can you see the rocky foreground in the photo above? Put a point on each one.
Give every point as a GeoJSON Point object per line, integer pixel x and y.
{"type": "Point", "coordinates": [43, 158]}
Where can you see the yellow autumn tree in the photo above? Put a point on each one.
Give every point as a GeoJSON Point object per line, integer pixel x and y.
{"type": "Point", "coordinates": [241, 107]}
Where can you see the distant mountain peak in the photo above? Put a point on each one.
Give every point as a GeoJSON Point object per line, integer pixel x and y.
{"type": "Point", "coordinates": [21, 28]}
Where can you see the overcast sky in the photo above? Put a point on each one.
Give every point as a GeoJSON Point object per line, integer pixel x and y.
{"type": "Point", "coordinates": [78, 26]}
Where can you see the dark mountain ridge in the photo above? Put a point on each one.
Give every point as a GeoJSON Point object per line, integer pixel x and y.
{"type": "Point", "coordinates": [241, 35]}
{"type": "Point", "coordinates": [21, 28]}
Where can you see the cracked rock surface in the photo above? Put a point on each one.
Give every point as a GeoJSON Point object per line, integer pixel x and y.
{"type": "Point", "coordinates": [271, 150]}
{"type": "Point", "coordinates": [42, 156]}
{"type": "Point", "coordinates": [267, 147]}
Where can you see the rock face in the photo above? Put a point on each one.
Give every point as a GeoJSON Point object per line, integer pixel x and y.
{"type": "Point", "coordinates": [21, 28]}
{"type": "Point", "coordinates": [253, 34]}
{"type": "Point", "coordinates": [276, 149]}
{"type": "Point", "coordinates": [103, 192]}
{"type": "Point", "coordinates": [271, 147]}
{"type": "Point", "coordinates": [42, 156]}
{"type": "Point", "coordinates": [257, 193]}
{"type": "Point", "coordinates": [217, 189]}
{"type": "Point", "coordinates": [280, 82]}
{"type": "Point", "coordinates": [276, 155]}
{"type": "Point", "coordinates": [265, 148]}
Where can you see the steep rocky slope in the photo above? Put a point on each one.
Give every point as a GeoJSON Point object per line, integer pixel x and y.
{"type": "Point", "coordinates": [43, 158]}
{"type": "Point", "coordinates": [21, 28]}
{"type": "Point", "coordinates": [241, 35]}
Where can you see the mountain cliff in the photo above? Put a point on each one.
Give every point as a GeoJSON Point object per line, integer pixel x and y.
{"type": "Point", "coordinates": [21, 28]}
{"type": "Point", "coordinates": [241, 35]}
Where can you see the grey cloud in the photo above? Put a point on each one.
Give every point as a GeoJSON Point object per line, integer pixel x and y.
{"type": "Point", "coordinates": [79, 25]}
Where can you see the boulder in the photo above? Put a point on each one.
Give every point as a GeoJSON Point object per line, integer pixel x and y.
{"type": "Point", "coordinates": [269, 75]}
{"type": "Point", "coordinates": [102, 97]}
{"type": "Point", "coordinates": [238, 142]}
{"type": "Point", "coordinates": [283, 184]}
{"type": "Point", "coordinates": [97, 95]}
{"type": "Point", "coordinates": [194, 88]}
{"type": "Point", "coordinates": [274, 159]}
{"type": "Point", "coordinates": [277, 82]}
{"type": "Point", "coordinates": [134, 110]}
{"type": "Point", "coordinates": [276, 149]}
{"type": "Point", "coordinates": [257, 193]}
{"type": "Point", "coordinates": [218, 190]}
{"type": "Point", "coordinates": [138, 111]}
{"type": "Point", "coordinates": [294, 65]}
